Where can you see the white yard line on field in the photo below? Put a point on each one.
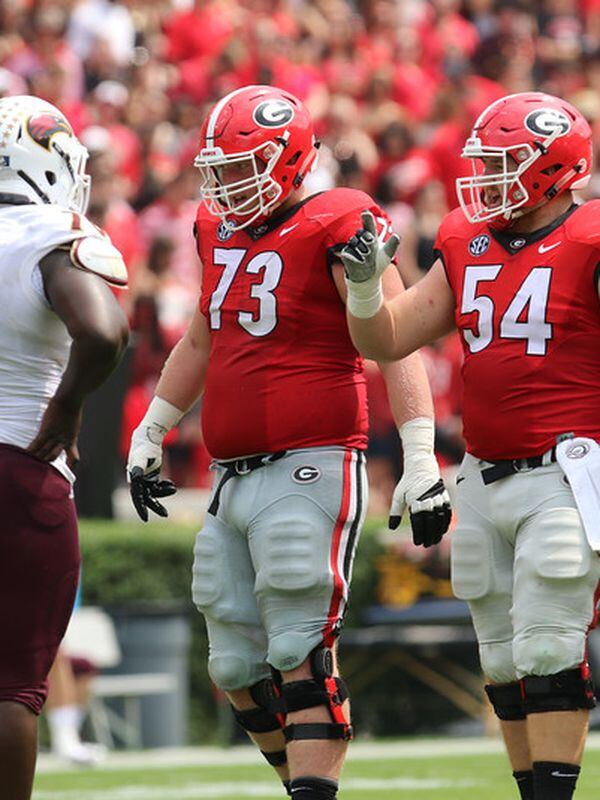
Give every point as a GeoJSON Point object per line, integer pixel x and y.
{"type": "Point", "coordinates": [208, 791]}
{"type": "Point", "coordinates": [245, 754]}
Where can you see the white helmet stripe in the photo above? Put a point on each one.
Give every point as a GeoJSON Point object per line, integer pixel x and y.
{"type": "Point", "coordinates": [214, 117]}
{"type": "Point", "coordinates": [490, 107]}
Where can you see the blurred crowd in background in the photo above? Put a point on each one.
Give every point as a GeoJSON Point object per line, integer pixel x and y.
{"type": "Point", "coordinates": [393, 86]}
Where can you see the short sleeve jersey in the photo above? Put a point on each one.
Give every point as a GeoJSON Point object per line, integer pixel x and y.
{"type": "Point", "coordinates": [283, 372]}
{"type": "Point", "coordinates": [35, 343]}
{"type": "Point", "coordinates": [528, 313]}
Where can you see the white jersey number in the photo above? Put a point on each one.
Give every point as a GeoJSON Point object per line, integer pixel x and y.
{"type": "Point", "coordinates": [531, 300]}
{"type": "Point", "coordinates": [265, 320]}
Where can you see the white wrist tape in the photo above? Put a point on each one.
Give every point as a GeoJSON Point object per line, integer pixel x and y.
{"type": "Point", "coordinates": [364, 299]}
{"type": "Point", "coordinates": [160, 417]}
{"type": "Point", "coordinates": [417, 438]}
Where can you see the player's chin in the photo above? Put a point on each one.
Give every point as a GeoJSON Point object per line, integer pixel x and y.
{"type": "Point", "coordinates": [491, 200]}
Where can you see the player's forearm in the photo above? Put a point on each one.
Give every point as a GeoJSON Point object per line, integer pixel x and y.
{"type": "Point", "coordinates": [408, 389]}
{"type": "Point", "coordinates": [374, 336]}
{"type": "Point", "coordinates": [183, 375]}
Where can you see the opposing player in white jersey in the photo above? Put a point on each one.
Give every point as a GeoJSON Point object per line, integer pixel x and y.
{"type": "Point", "coordinates": [61, 334]}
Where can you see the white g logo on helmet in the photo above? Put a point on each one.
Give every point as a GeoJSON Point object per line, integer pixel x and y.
{"type": "Point", "coordinates": [545, 121]}
{"type": "Point", "coordinates": [273, 113]}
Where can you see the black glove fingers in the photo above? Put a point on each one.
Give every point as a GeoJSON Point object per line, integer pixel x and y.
{"type": "Point", "coordinates": [163, 489]}
{"type": "Point", "coordinates": [394, 521]}
{"type": "Point", "coordinates": [428, 527]}
{"type": "Point", "coordinates": [145, 488]}
{"type": "Point", "coordinates": [138, 497]}
{"type": "Point", "coordinates": [419, 527]}
{"type": "Point", "coordinates": [155, 506]}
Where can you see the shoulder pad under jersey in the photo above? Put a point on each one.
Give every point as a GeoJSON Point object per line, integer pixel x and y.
{"type": "Point", "coordinates": [339, 212]}
{"type": "Point", "coordinates": [99, 255]}
{"type": "Point", "coordinates": [455, 224]}
{"type": "Point", "coordinates": [583, 225]}
{"type": "Point", "coordinates": [330, 205]}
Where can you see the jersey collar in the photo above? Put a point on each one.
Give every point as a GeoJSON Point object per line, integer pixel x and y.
{"type": "Point", "coordinates": [513, 242]}
{"type": "Point", "coordinates": [276, 220]}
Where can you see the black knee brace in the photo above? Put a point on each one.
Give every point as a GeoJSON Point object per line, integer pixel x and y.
{"type": "Point", "coordinates": [268, 717]}
{"type": "Point", "coordinates": [322, 690]}
{"type": "Point", "coordinates": [566, 691]}
{"type": "Point", "coordinates": [507, 700]}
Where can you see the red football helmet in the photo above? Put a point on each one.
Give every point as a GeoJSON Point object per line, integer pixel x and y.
{"type": "Point", "coordinates": [264, 137]}
{"type": "Point", "coordinates": [545, 147]}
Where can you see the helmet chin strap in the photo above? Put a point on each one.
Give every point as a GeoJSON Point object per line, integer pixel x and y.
{"type": "Point", "coordinates": [554, 190]}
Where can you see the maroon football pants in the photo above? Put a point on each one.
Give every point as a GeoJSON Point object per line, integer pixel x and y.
{"type": "Point", "coordinates": [39, 570]}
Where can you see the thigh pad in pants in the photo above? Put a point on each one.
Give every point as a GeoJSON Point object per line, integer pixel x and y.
{"type": "Point", "coordinates": [303, 546]}
{"type": "Point", "coordinates": [556, 574]}
{"type": "Point", "coordinates": [223, 591]}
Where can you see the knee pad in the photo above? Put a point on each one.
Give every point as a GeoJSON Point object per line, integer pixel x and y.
{"type": "Point", "coordinates": [548, 652]}
{"type": "Point", "coordinates": [564, 691]}
{"type": "Point", "coordinates": [230, 672]}
{"type": "Point", "coordinates": [287, 651]}
{"type": "Point", "coordinates": [322, 690]}
{"type": "Point", "coordinates": [497, 662]}
{"type": "Point", "coordinates": [268, 717]}
{"type": "Point", "coordinates": [507, 700]}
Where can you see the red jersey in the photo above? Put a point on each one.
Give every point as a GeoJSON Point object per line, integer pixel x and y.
{"type": "Point", "coordinates": [283, 372]}
{"type": "Point", "coordinates": [528, 312]}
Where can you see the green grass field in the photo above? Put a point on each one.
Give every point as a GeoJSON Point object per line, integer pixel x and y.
{"type": "Point", "coordinates": [422, 770]}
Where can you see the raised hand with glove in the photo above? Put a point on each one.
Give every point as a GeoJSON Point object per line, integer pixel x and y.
{"type": "Point", "coordinates": [365, 258]}
{"type": "Point", "coordinates": [421, 487]}
{"type": "Point", "coordinates": [145, 458]}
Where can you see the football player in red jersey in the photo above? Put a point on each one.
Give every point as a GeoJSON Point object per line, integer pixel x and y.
{"type": "Point", "coordinates": [517, 274]}
{"type": "Point", "coordinates": [285, 418]}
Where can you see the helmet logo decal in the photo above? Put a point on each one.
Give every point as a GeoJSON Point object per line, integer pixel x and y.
{"type": "Point", "coordinates": [479, 245]}
{"type": "Point", "coordinates": [545, 121]}
{"type": "Point", "coordinates": [42, 127]}
{"type": "Point", "coordinates": [273, 113]}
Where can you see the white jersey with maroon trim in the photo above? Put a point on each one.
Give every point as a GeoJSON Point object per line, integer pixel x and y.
{"type": "Point", "coordinates": [34, 342]}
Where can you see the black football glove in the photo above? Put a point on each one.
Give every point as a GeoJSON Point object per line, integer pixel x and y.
{"type": "Point", "coordinates": [144, 491]}
{"type": "Point", "coordinates": [430, 514]}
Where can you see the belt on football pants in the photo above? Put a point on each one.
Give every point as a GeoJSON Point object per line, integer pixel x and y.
{"type": "Point", "coordinates": [502, 469]}
{"type": "Point", "coordinates": [237, 468]}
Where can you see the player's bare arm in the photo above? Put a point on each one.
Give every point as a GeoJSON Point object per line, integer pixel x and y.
{"type": "Point", "coordinates": [421, 487]}
{"type": "Point", "coordinates": [182, 378]}
{"type": "Point", "coordinates": [100, 333]}
{"type": "Point", "coordinates": [181, 384]}
{"type": "Point", "coordinates": [389, 329]}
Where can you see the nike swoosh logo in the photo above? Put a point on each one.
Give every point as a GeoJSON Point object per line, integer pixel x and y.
{"type": "Point", "coordinates": [460, 479]}
{"type": "Point", "coordinates": [283, 231]}
{"type": "Point", "coordinates": [557, 774]}
{"type": "Point", "coordinates": [544, 248]}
